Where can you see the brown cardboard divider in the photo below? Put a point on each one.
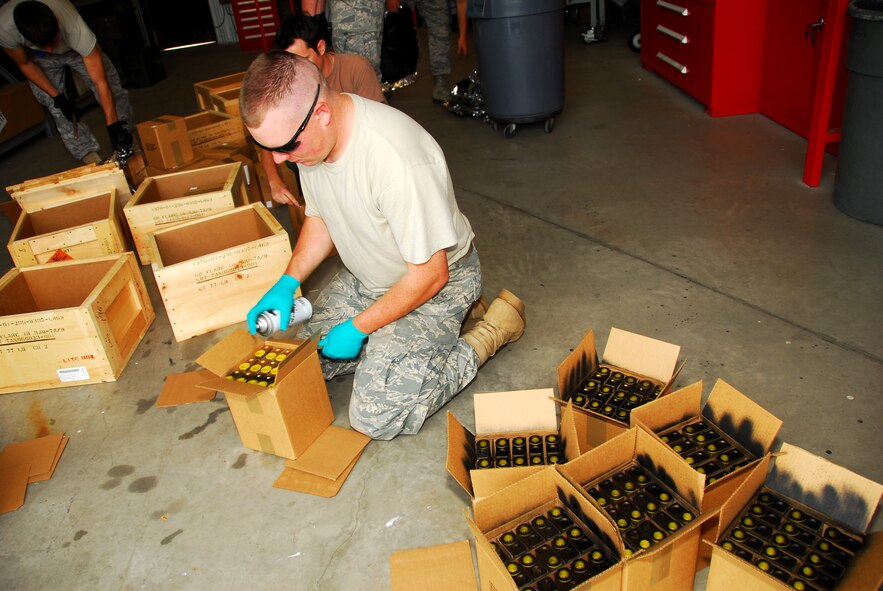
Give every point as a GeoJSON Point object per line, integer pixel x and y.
{"type": "Point", "coordinates": [299, 481]}
{"type": "Point", "coordinates": [446, 567]}
{"type": "Point", "coordinates": [184, 388]}
{"type": "Point", "coordinates": [47, 475]}
{"type": "Point", "coordinates": [331, 453]}
{"type": "Point", "coordinates": [40, 454]}
{"type": "Point", "coordinates": [13, 487]}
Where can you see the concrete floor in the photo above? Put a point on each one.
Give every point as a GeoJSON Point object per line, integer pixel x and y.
{"type": "Point", "coordinates": [638, 211]}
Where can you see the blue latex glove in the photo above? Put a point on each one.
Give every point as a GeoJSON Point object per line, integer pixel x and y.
{"type": "Point", "coordinates": [344, 341]}
{"type": "Point", "coordinates": [280, 297]}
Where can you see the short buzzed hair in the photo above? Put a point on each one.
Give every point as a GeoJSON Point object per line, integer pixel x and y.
{"type": "Point", "coordinates": [271, 80]}
{"type": "Point", "coordinates": [36, 22]}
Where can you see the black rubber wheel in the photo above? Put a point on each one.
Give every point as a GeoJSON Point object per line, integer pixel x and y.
{"type": "Point", "coordinates": [635, 41]}
{"type": "Point", "coordinates": [509, 131]}
{"type": "Point", "coordinates": [550, 125]}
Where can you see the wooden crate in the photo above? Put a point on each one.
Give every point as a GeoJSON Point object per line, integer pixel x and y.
{"type": "Point", "coordinates": [226, 101]}
{"type": "Point", "coordinates": [209, 129]}
{"type": "Point", "coordinates": [211, 271]}
{"type": "Point", "coordinates": [69, 185]}
{"type": "Point", "coordinates": [86, 228]}
{"type": "Point", "coordinates": [71, 323]}
{"type": "Point", "coordinates": [204, 89]}
{"type": "Point", "coordinates": [167, 200]}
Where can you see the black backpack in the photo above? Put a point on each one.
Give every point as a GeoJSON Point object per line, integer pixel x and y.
{"type": "Point", "coordinates": [398, 50]}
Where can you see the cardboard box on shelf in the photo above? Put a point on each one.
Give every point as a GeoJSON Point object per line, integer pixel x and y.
{"type": "Point", "coordinates": [727, 410]}
{"type": "Point", "coordinates": [502, 414]}
{"type": "Point", "coordinates": [211, 271]}
{"type": "Point", "coordinates": [203, 90]}
{"type": "Point", "coordinates": [167, 200]}
{"type": "Point", "coordinates": [208, 129]}
{"type": "Point", "coordinates": [86, 228]}
{"type": "Point", "coordinates": [670, 563]}
{"type": "Point", "coordinates": [533, 496]}
{"type": "Point", "coordinates": [634, 354]}
{"type": "Point", "coordinates": [22, 110]}
{"type": "Point", "coordinates": [69, 185]}
{"type": "Point", "coordinates": [285, 418]}
{"type": "Point", "coordinates": [165, 141]}
{"type": "Point", "coordinates": [82, 334]}
{"type": "Point", "coordinates": [839, 495]}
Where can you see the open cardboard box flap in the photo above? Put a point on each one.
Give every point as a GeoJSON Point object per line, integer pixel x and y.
{"type": "Point", "coordinates": [649, 357]}
{"type": "Point", "coordinates": [331, 453]}
{"type": "Point", "coordinates": [446, 567]}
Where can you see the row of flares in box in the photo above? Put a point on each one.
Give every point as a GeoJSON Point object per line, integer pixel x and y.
{"type": "Point", "coordinates": [551, 552]}
{"type": "Point", "coordinates": [614, 393]}
{"type": "Point", "coordinates": [645, 510]}
{"type": "Point", "coordinates": [791, 542]}
{"type": "Point", "coordinates": [517, 451]}
{"type": "Point", "coordinates": [261, 367]}
{"type": "Point", "coordinates": [707, 449]}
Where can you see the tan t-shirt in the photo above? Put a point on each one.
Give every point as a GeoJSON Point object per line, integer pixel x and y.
{"type": "Point", "coordinates": [353, 73]}
{"type": "Point", "coordinates": [388, 200]}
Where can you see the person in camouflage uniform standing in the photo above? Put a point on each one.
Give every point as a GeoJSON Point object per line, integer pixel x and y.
{"type": "Point", "coordinates": [435, 15]}
{"type": "Point", "coordinates": [377, 188]}
{"type": "Point", "coordinates": [356, 26]}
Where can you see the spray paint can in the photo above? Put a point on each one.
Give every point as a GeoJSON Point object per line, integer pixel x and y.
{"type": "Point", "coordinates": [269, 322]}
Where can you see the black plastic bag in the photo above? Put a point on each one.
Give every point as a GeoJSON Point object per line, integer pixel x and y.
{"type": "Point", "coordinates": [398, 51]}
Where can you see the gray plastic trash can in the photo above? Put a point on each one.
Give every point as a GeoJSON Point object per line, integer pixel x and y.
{"type": "Point", "coordinates": [858, 186]}
{"type": "Point", "coordinates": [520, 45]}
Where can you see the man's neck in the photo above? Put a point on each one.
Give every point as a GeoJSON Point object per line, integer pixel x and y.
{"type": "Point", "coordinates": [344, 112]}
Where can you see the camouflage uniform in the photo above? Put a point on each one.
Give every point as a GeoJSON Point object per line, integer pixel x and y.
{"type": "Point", "coordinates": [438, 26]}
{"type": "Point", "coordinates": [357, 27]}
{"type": "Point", "coordinates": [409, 368]}
{"type": "Point", "coordinates": [53, 66]}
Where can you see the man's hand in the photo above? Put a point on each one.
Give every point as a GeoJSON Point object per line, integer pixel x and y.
{"type": "Point", "coordinates": [462, 45]}
{"type": "Point", "coordinates": [66, 106]}
{"type": "Point", "coordinates": [344, 341]}
{"type": "Point", "coordinates": [280, 297]}
{"type": "Point", "coordinates": [281, 194]}
{"type": "Point", "coordinates": [120, 136]}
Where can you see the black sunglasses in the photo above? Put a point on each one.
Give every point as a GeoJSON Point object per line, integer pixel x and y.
{"type": "Point", "coordinates": [292, 144]}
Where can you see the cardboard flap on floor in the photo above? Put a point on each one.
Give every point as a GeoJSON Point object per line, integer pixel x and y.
{"type": "Point", "coordinates": [41, 454]}
{"type": "Point", "coordinates": [34, 477]}
{"type": "Point", "coordinates": [331, 453]}
{"type": "Point", "coordinates": [751, 425]}
{"type": "Point", "coordinates": [304, 482]}
{"type": "Point", "coordinates": [524, 411]}
{"type": "Point", "coordinates": [13, 487]}
{"type": "Point", "coordinates": [842, 495]}
{"type": "Point", "coordinates": [185, 388]}
{"type": "Point", "coordinates": [447, 567]}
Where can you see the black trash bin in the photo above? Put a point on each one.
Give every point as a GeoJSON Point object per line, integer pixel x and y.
{"type": "Point", "coordinates": [858, 186]}
{"type": "Point", "coordinates": [520, 45]}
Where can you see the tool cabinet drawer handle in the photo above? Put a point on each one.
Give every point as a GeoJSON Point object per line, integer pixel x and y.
{"type": "Point", "coordinates": [676, 65]}
{"type": "Point", "coordinates": [673, 34]}
{"type": "Point", "coordinates": [673, 7]}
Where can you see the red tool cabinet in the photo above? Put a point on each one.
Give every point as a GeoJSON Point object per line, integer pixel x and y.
{"type": "Point", "coordinates": [256, 23]}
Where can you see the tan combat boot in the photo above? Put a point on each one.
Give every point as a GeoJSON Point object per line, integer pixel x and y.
{"type": "Point", "coordinates": [476, 312]}
{"type": "Point", "coordinates": [503, 323]}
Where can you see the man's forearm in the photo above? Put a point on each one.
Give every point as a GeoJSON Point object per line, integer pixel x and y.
{"type": "Point", "coordinates": [418, 285]}
{"type": "Point", "coordinates": [313, 246]}
{"type": "Point", "coordinates": [95, 67]}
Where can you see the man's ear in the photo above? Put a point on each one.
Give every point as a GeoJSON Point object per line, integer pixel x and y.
{"type": "Point", "coordinates": [321, 47]}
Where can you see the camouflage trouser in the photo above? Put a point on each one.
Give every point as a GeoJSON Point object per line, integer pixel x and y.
{"type": "Point", "coordinates": [410, 368]}
{"type": "Point", "coordinates": [435, 14]}
{"type": "Point", "coordinates": [53, 66]}
{"type": "Point", "coordinates": [357, 27]}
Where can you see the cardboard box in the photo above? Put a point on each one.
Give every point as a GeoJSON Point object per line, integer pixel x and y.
{"type": "Point", "coordinates": [168, 200]}
{"type": "Point", "coordinates": [211, 271]}
{"type": "Point", "coordinates": [447, 567]}
{"type": "Point", "coordinates": [499, 414]}
{"type": "Point", "coordinates": [213, 128]}
{"type": "Point", "coordinates": [82, 334]}
{"type": "Point", "coordinates": [70, 185]}
{"type": "Point", "coordinates": [285, 418]}
{"type": "Point", "coordinates": [165, 141]}
{"type": "Point", "coordinates": [86, 228]}
{"type": "Point", "coordinates": [203, 90]}
{"type": "Point", "coordinates": [669, 564]}
{"type": "Point", "coordinates": [195, 164]}
{"type": "Point", "coordinates": [22, 110]}
{"type": "Point", "coordinates": [630, 352]}
{"type": "Point", "coordinates": [525, 499]}
{"type": "Point", "coordinates": [843, 497]}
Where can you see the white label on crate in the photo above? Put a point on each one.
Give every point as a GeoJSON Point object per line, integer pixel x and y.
{"type": "Point", "coordinates": [73, 374]}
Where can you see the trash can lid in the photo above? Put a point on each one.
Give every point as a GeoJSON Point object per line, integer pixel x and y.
{"type": "Point", "coordinates": [867, 10]}
{"type": "Point", "coordinates": [510, 8]}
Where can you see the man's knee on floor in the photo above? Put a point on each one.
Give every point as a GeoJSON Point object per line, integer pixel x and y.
{"type": "Point", "coordinates": [383, 422]}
